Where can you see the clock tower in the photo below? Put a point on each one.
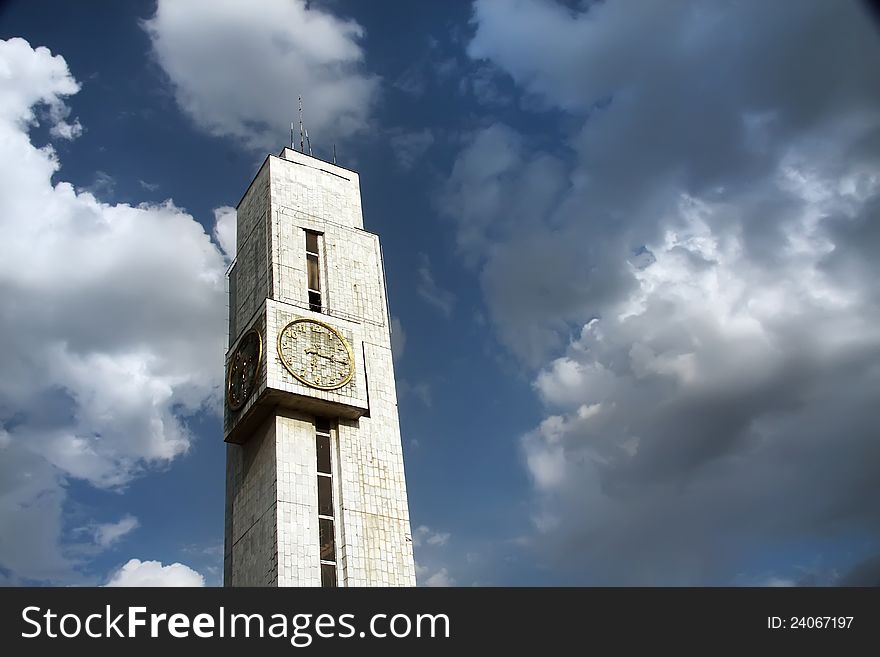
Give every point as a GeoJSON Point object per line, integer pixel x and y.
{"type": "Point", "coordinates": [315, 489]}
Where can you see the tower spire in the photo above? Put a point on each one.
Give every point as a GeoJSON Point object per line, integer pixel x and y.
{"type": "Point", "coordinates": [301, 148]}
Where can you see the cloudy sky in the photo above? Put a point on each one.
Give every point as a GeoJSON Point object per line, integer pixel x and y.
{"type": "Point", "coordinates": [631, 252]}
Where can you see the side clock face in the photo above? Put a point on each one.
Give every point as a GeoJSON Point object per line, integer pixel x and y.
{"type": "Point", "coordinates": [316, 354]}
{"type": "Point", "coordinates": [243, 368]}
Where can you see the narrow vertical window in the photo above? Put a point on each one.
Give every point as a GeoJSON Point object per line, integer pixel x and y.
{"type": "Point", "coordinates": [314, 270]}
{"type": "Point", "coordinates": [326, 528]}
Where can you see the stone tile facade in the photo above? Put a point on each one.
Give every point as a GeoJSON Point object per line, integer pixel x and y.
{"type": "Point", "coordinates": [271, 508]}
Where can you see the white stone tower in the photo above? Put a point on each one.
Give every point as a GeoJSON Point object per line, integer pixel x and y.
{"type": "Point", "coordinates": [315, 490]}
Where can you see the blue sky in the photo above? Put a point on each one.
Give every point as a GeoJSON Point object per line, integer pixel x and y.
{"type": "Point", "coordinates": [630, 254]}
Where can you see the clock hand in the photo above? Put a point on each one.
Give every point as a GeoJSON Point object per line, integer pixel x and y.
{"type": "Point", "coordinates": [315, 352]}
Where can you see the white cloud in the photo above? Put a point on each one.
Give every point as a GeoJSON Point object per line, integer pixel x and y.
{"type": "Point", "coordinates": [34, 77]}
{"type": "Point", "coordinates": [428, 289]}
{"type": "Point", "coordinates": [225, 230]}
{"type": "Point", "coordinates": [107, 534]}
{"type": "Point", "coordinates": [152, 573]}
{"type": "Point", "coordinates": [103, 186]}
{"type": "Point", "coordinates": [464, 561]}
{"type": "Point", "coordinates": [237, 72]}
{"type": "Point", "coordinates": [691, 275]}
{"type": "Point", "coordinates": [427, 544]}
{"type": "Point", "coordinates": [409, 147]}
{"type": "Point", "coordinates": [422, 391]}
{"type": "Point", "coordinates": [112, 321]}
{"type": "Point", "coordinates": [424, 535]}
{"type": "Point", "coordinates": [398, 339]}
{"type": "Point", "coordinates": [63, 130]}
{"type": "Point", "coordinates": [439, 579]}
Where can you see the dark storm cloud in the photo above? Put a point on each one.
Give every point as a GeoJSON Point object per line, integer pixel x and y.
{"type": "Point", "coordinates": [697, 289]}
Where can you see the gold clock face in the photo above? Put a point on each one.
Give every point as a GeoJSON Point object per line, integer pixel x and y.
{"type": "Point", "coordinates": [243, 368]}
{"type": "Point", "coordinates": [316, 354]}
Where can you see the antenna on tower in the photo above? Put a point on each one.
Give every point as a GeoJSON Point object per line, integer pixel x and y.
{"type": "Point", "coordinates": [301, 148]}
{"type": "Point", "coordinates": [334, 153]}
{"type": "Point", "coordinates": [308, 142]}
{"type": "Point", "coordinates": [291, 136]}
